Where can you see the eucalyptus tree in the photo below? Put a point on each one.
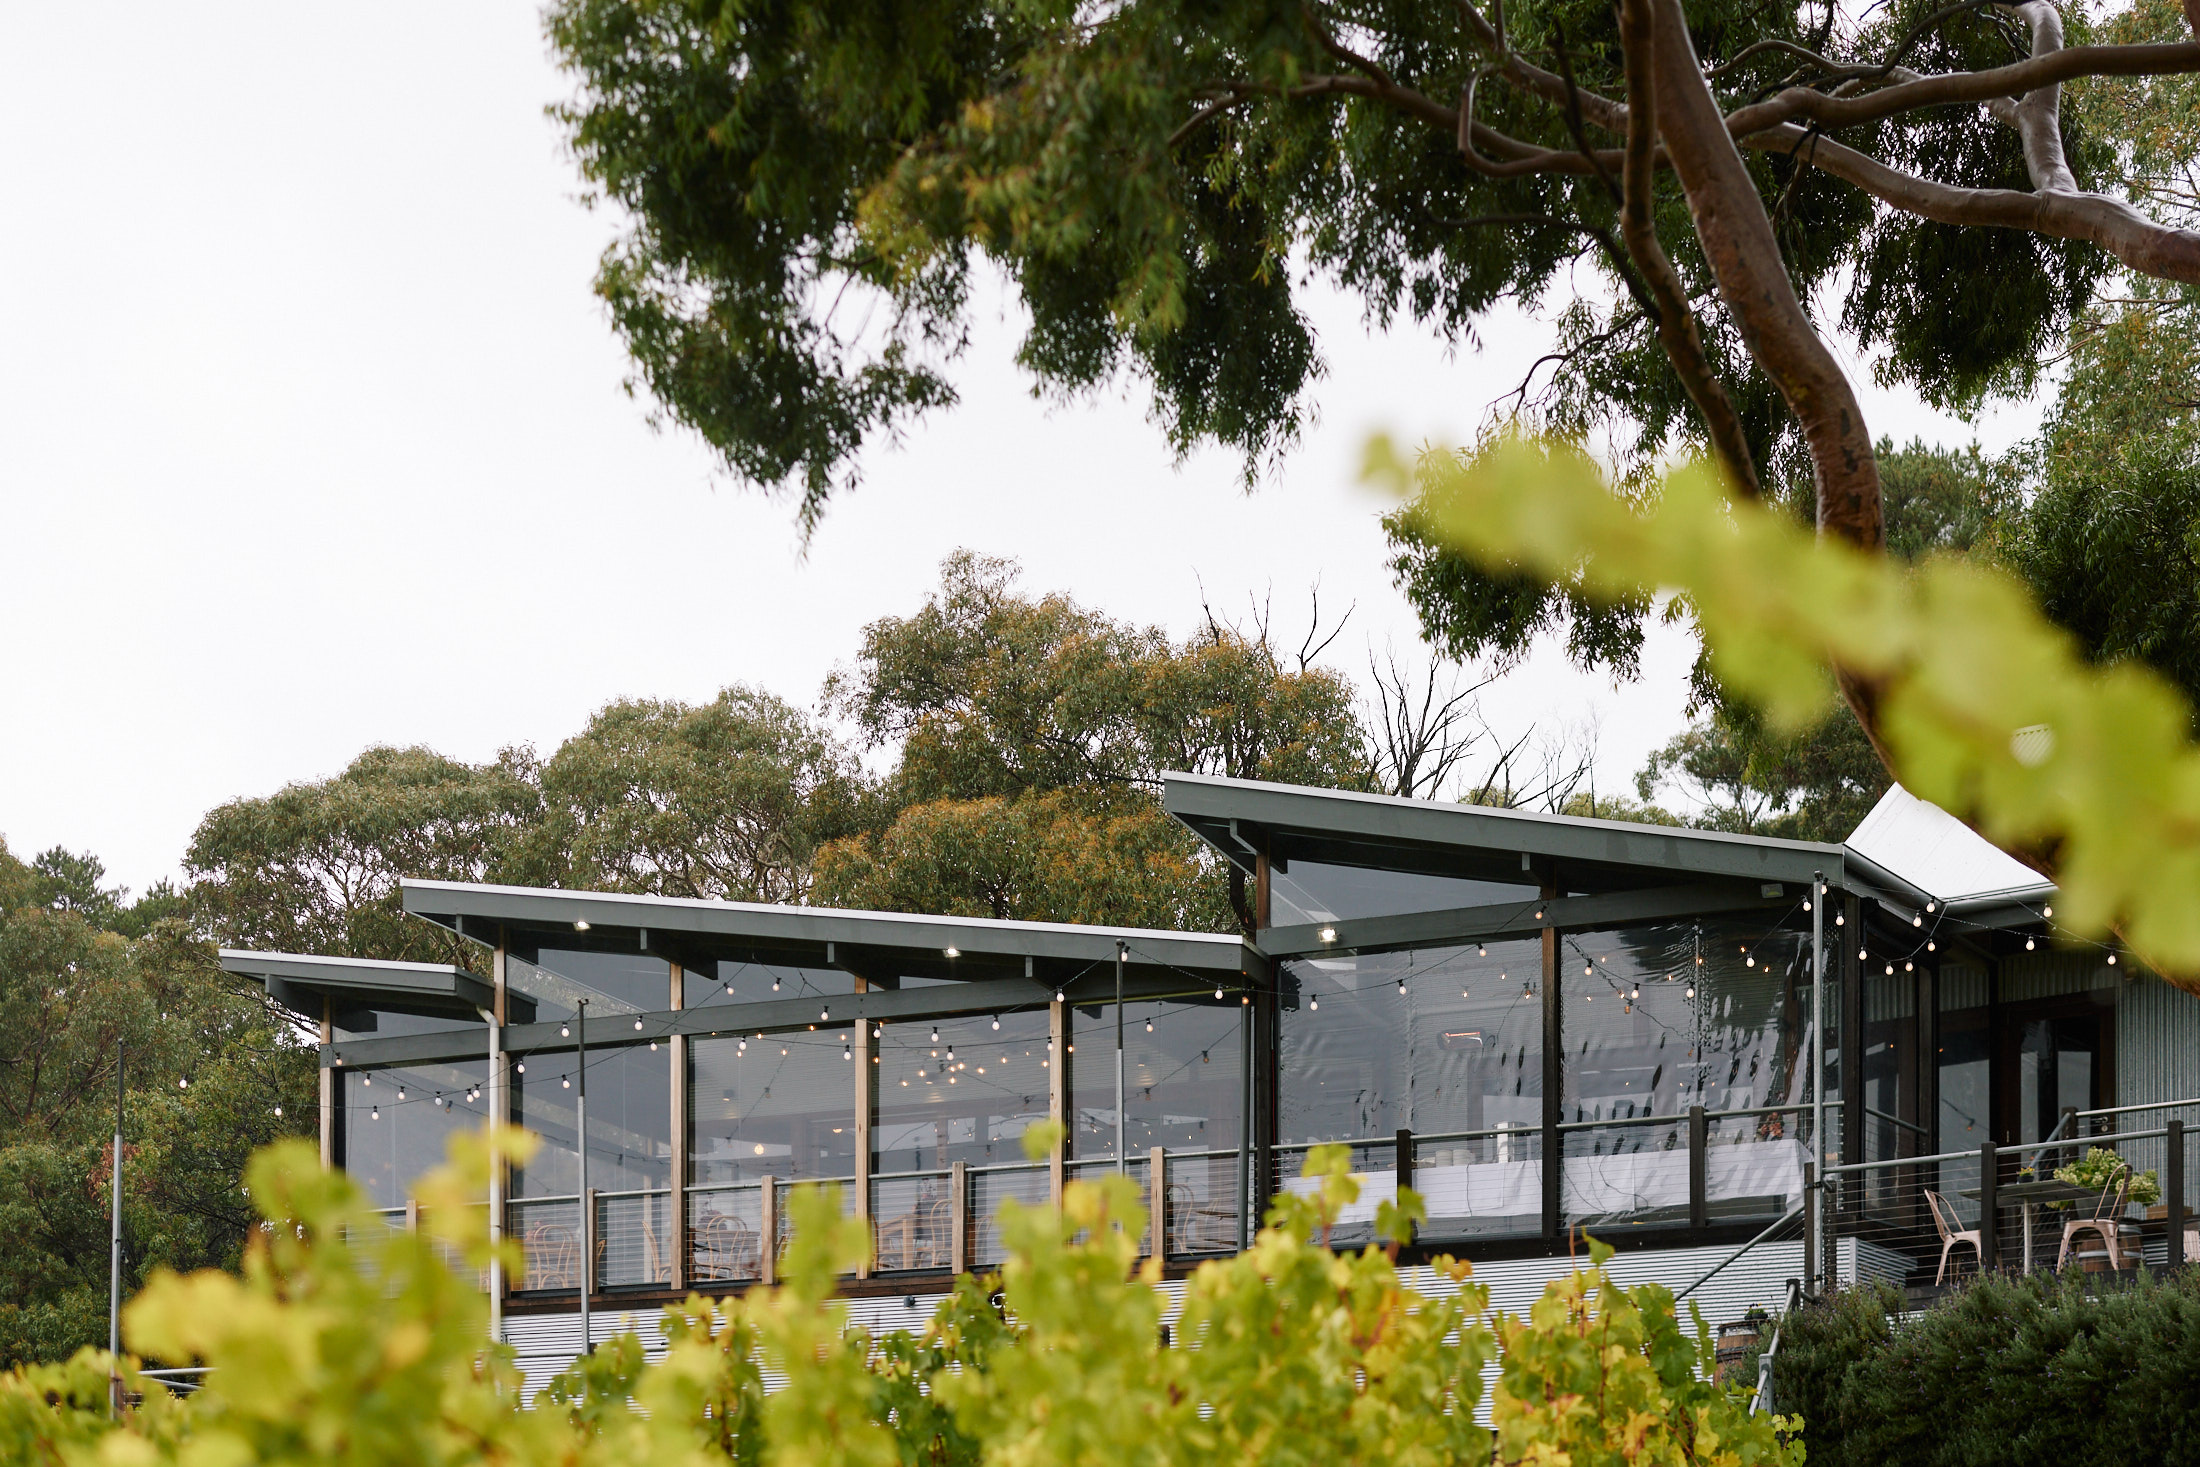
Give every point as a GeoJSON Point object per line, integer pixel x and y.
{"type": "Point", "coordinates": [807, 187]}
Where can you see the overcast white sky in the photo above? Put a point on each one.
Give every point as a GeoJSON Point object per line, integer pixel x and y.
{"type": "Point", "coordinates": [312, 437]}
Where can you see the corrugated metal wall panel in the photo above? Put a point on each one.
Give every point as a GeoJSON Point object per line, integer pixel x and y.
{"type": "Point", "coordinates": [2157, 1058]}
{"type": "Point", "coordinates": [2055, 972]}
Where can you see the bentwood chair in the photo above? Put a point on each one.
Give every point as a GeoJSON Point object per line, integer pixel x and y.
{"type": "Point", "coordinates": [2119, 1235]}
{"type": "Point", "coordinates": [1952, 1232]}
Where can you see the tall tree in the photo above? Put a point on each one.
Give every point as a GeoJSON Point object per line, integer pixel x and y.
{"type": "Point", "coordinates": [211, 1071]}
{"type": "Point", "coordinates": [727, 800]}
{"type": "Point", "coordinates": [315, 867]}
{"type": "Point", "coordinates": [808, 187]}
{"type": "Point", "coordinates": [1033, 734]}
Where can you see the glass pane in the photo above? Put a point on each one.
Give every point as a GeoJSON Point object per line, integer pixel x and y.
{"type": "Point", "coordinates": [730, 982]}
{"type": "Point", "coordinates": [613, 983]}
{"type": "Point", "coordinates": [1028, 1185]}
{"type": "Point", "coordinates": [1183, 1073]}
{"type": "Point", "coordinates": [397, 1124]}
{"type": "Point", "coordinates": [633, 1239]}
{"type": "Point", "coordinates": [725, 1233]}
{"type": "Point", "coordinates": [1662, 1018]}
{"type": "Point", "coordinates": [1461, 1049]}
{"type": "Point", "coordinates": [958, 1090]}
{"type": "Point", "coordinates": [912, 1221]}
{"type": "Point", "coordinates": [782, 1105]}
{"type": "Point", "coordinates": [550, 1231]}
{"type": "Point", "coordinates": [1963, 1061]}
{"type": "Point", "coordinates": [629, 1120]}
{"type": "Point", "coordinates": [1314, 891]}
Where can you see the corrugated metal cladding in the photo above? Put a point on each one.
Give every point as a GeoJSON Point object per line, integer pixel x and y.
{"type": "Point", "coordinates": [1962, 986]}
{"type": "Point", "coordinates": [547, 1343]}
{"type": "Point", "coordinates": [2057, 972]}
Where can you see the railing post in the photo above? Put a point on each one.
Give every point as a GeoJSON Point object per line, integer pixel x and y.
{"type": "Point", "coordinates": [2173, 1191]}
{"type": "Point", "coordinates": [1402, 1161]}
{"type": "Point", "coordinates": [2069, 1132]}
{"type": "Point", "coordinates": [1810, 1223]}
{"type": "Point", "coordinates": [767, 1233]}
{"type": "Point", "coordinates": [1989, 1244]}
{"type": "Point", "coordinates": [958, 1218]}
{"type": "Point", "coordinates": [1157, 1183]}
{"type": "Point", "coordinates": [1699, 1132]}
{"type": "Point", "coordinates": [412, 1214]}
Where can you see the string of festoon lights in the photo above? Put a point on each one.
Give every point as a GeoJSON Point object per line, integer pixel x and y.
{"type": "Point", "coordinates": [1629, 993]}
{"type": "Point", "coordinates": [1946, 923]}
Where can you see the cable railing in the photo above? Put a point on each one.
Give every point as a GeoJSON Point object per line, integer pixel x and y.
{"type": "Point", "coordinates": [2024, 1206]}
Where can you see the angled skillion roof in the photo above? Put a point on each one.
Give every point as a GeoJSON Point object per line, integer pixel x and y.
{"type": "Point", "coordinates": [299, 981]}
{"type": "Point", "coordinates": [1923, 844]}
{"type": "Point", "coordinates": [1243, 817]}
{"type": "Point", "coordinates": [879, 946]}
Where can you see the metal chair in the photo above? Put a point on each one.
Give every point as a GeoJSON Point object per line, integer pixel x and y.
{"type": "Point", "coordinates": [726, 1248]}
{"type": "Point", "coordinates": [1952, 1232]}
{"type": "Point", "coordinates": [2118, 1234]}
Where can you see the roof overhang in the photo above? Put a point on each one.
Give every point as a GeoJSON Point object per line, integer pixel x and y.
{"type": "Point", "coordinates": [1243, 819]}
{"type": "Point", "coordinates": [881, 947]}
{"type": "Point", "coordinates": [305, 984]}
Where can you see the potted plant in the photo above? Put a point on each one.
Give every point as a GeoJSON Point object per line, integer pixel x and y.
{"type": "Point", "coordinates": [2098, 1170]}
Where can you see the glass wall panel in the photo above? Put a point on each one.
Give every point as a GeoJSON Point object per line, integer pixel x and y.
{"type": "Point", "coordinates": [1444, 1042]}
{"type": "Point", "coordinates": [782, 1105]}
{"type": "Point", "coordinates": [1183, 1072]}
{"type": "Point", "coordinates": [763, 1105]}
{"type": "Point", "coordinates": [396, 1124]}
{"type": "Point", "coordinates": [958, 1090]}
{"type": "Point", "coordinates": [1658, 1019]}
{"type": "Point", "coordinates": [1963, 1081]}
{"type": "Point", "coordinates": [613, 983]}
{"type": "Point", "coordinates": [629, 1152]}
{"type": "Point", "coordinates": [1184, 1091]}
{"type": "Point", "coordinates": [1314, 891]}
{"type": "Point", "coordinates": [730, 982]}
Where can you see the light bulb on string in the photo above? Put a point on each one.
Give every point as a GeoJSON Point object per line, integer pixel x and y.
{"type": "Point", "coordinates": [2112, 960]}
{"type": "Point", "coordinates": [1401, 987]}
{"type": "Point", "coordinates": [1149, 1026]}
{"type": "Point", "coordinates": [2028, 944]}
{"type": "Point", "coordinates": [775, 985]}
{"type": "Point", "coordinates": [637, 1023]}
{"type": "Point", "coordinates": [523, 1067]}
{"type": "Point", "coordinates": [1314, 1004]}
{"type": "Point", "coordinates": [1057, 995]}
{"type": "Point", "coordinates": [1931, 946]}
{"type": "Point", "coordinates": [1218, 991]}
{"type": "Point", "coordinates": [565, 1082]}
{"type": "Point", "coordinates": [375, 1114]}
{"type": "Point", "coordinates": [997, 1024]}
{"type": "Point", "coordinates": [1481, 950]}
{"type": "Point", "coordinates": [400, 1092]}
{"type": "Point", "coordinates": [565, 1031]}
{"type": "Point", "coordinates": [935, 1033]}
{"type": "Point", "coordinates": [278, 1112]}
{"type": "Point", "coordinates": [1691, 991]}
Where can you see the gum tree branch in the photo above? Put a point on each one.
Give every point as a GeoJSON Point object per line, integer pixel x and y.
{"type": "Point", "coordinates": [1745, 260]}
{"type": "Point", "coordinates": [1676, 323]}
{"type": "Point", "coordinates": [2138, 242]}
{"type": "Point", "coordinates": [2049, 69]}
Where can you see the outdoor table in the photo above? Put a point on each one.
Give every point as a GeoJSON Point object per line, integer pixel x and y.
{"type": "Point", "coordinates": [2035, 1194]}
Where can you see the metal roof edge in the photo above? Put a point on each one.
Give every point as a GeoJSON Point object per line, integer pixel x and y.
{"type": "Point", "coordinates": [704, 915]}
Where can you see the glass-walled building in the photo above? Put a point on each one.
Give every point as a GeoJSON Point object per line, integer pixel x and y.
{"type": "Point", "coordinates": [1540, 1024]}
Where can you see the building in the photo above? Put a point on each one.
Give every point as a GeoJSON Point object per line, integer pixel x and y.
{"type": "Point", "coordinates": [1541, 1024]}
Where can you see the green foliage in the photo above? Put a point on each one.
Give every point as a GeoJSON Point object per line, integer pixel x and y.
{"type": "Point", "coordinates": [314, 868]}
{"type": "Point", "coordinates": [728, 800]}
{"type": "Point", "coordinates": [346, 1341]}
{"type": "Point", "coordinates": [807, 187]}
{"type": "Point", "coordinates": [71, 993]}
{"type": "Point", "coordinates": [1034, 733]}
{"type": "Point", "coordinates": [2007, 1371]}
{"type": "Point", "coordinates": [2101, 1168]}
{"type": "Point", "coordinates": [1815, 785]}
{"type": "Point", "coordinates": [1986, 710]}
{"type": "Point", "coordinates": [2111, 541]}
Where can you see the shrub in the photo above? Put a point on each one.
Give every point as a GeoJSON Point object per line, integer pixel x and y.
{"type": "Point", "coordinates": [2005, 1371]}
